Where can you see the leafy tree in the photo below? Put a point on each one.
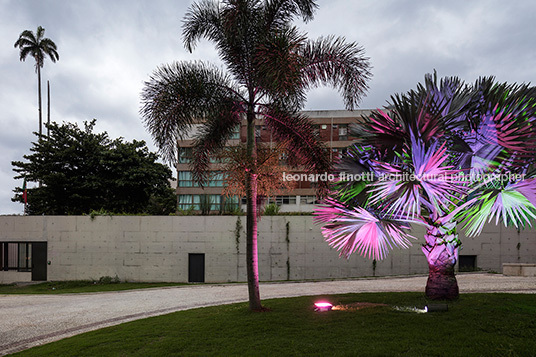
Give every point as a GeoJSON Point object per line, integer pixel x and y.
{"type": "Point", "coordinates": [444, 153]}
{"type": "Point", "coordinates": [81, 171]}
{"type": "Point", "coordinates": [270, 66]}
{"type": "Point", "coordinates": [37, 47]}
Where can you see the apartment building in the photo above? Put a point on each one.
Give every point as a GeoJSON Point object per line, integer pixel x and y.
{"type": "Point", "coordinates": [332, 127]}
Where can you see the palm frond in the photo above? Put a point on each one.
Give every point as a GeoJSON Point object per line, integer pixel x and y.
{"type": "Point", "coordinates": [508, 204]}
{"type": "Point", "coordinates": [381, 130]}
{"type": "Point", "coordinates": [333, 61]}
{"type": "Point", "coordinates": [179, 95]}
{"type": "Point", "coordinates": [357, 229]}
{"type": "Point", "coordinates": [356, 173]}
{"type": "Point", "coordinates": [503, 136]}
{"type": "Point", "coordinates": [218, 128]}
{"type": "Point", "coordinates": [236, 162]}
{"type": "Point", "coordinates": [202, 20]}
{"type": "Point", "coordinates": [278, 66]}
{"type": "Point", "coordinates": [278, 13]}
{"type": "Point", "coordinates": [424, 181]}
{"type": "Point", "coordinates": [295, 131]}
{"type": "Point", "coordinates": [50, 48]}
{"type": "Point", "coordinates": [429, 112]}
{"type": "Point", "coordinates": [527, 188]}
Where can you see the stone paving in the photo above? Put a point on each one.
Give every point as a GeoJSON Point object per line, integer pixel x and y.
{"type": "Point", "coordinates": [31, 320]}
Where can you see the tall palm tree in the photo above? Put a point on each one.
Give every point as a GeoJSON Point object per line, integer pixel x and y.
{"type": "Point", "coordinates": [441, 154]}
{"type": "Point", "coordinates": [270, 67]}
{"type": "Point", "coordinates": [38, 47]}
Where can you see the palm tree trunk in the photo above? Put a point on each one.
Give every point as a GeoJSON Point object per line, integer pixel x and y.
{"type": "Point", "coordinates": [252, 262]}
{"type": "Point", "coordinates": [48, 110]}
{"type": "Point", "coordinates": [441, 251]}
{"type": "Point", "coordinates": [39, 96]}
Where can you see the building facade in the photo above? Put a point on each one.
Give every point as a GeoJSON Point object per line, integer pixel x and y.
{"type": "Point", "coordinates": [332, 127]}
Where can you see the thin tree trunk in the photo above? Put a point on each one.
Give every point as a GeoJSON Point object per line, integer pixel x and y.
{"type": "Point", "coordinates": [441, 250]}
{"type": "Point", "coordinates": [252, 263]}
{"type": "Point", "coordinates": [48, 109]}
{"type": "Point", "coordinates": [39, 96]}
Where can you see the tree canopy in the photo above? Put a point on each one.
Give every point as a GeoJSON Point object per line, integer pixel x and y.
{"type": "Point", "coordinates": [81, 171]}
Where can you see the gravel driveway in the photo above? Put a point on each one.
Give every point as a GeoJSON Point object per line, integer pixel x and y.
{"type": "Point", "coordinates": [31, 320]}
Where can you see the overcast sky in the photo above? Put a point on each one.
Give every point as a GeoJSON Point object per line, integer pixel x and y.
{"type": "Point", "coordinates": [109, 48]}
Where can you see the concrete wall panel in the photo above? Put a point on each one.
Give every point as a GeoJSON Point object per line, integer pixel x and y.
{"type": "Point", "coordinates": [145, 248]}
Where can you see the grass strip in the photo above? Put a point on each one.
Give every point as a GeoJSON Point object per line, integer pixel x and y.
{"type": "Point", "coordinates": [77, 286]}
{"type": "Point", "coordinates": [474, 325]}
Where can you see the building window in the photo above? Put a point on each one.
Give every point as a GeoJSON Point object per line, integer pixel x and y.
{"type": "Point", "coordinates": [16, 256]}
{"type": "Point", "coordinates": [185, 179]}
{"type": "Point", "coordinates": [307, 200]}
{"type": "Point", "coordinates": [285, 200]}
{"type": "Point", "coordinates": [343, 132]}
{"type": "Point", "coordinates": [200, 202]}
{"type": "Point", "coordinates": [185, 155]}
{"type": "Point", "coordinates": [236, 133]}
{"type": "Point", "coordinates": [230, 204]}
{"type": "Point", "coordinates": [216, 180]}
{"type": "Point", "coordinates": [184, 202]}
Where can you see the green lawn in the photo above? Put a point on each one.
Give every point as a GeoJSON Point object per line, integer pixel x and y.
{"type": "Point", "coordinates": [475, 325]}
{"type": "Point", "coordinates": [78, 286]}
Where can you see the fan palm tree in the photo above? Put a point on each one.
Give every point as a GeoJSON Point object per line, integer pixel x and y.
{"type": "Point", "coordinates": [270, 66]}
{"type": "Point", "coordinates": [441, 154]}
{"type": "Point", "coordinates": [38, 47]}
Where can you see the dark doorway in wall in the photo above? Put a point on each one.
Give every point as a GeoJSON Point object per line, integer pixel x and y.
{"type": "Point", "coordinates": [467, 262]}
{"type": "Point", "coordinates": [39, 261]}
{"type": "Point", "coordinates": [196, 268]}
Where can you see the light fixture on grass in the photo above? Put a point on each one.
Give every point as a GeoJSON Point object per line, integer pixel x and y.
{"type": "Point", "coordinates": [323, 306]}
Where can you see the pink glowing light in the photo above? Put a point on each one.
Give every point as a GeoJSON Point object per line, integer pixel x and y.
{"type": "Point", "coordinates": [323, 306]}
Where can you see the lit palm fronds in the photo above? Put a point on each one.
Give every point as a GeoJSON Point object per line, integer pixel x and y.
{"type": "Point", "coordinates": [356, 229]}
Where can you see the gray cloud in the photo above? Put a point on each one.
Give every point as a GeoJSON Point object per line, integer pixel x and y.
{"type": "Point", "coordinates": [109, 48]}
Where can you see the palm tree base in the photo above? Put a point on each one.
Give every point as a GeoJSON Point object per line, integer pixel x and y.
{"type": "Point", "coordinates": [262, 309]}
{"type": "Point", "coordinates": [442, 283]}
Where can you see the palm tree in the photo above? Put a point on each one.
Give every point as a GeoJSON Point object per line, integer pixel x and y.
{"type": "Point", "coordinates": [37, 47]}
{"type": "Point", "coordinates": [441, 154]}
{"type": "Point", "coordinates": [270, 67]}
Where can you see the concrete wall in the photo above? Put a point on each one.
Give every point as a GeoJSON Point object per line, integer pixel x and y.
{"type": "Point", "coordinates": [154, 248]}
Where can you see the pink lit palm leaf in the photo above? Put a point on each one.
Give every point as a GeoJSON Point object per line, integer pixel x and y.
{"type": "Point", "coordinates": [356, 229]}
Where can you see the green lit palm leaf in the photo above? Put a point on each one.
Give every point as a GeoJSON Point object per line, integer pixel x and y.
{"type": "Point", "coordinates": [508, 204]}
